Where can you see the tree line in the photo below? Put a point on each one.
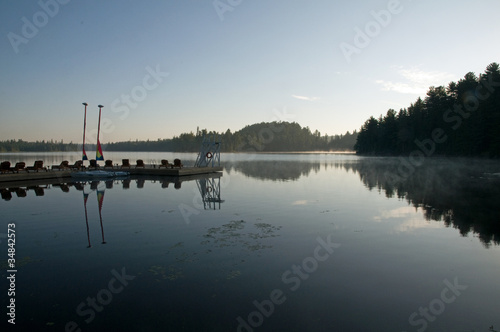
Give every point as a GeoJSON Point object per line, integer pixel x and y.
{"type": "Point", "coordinates": [38, 146]}
{"type": "Point", "coordinates": [462, 119]}
{"type": "Point", "coordinates": [259, 137]}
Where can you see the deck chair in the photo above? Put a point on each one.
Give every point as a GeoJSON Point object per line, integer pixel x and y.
{"type": "Point", "coordinates": [5, 167]}
{"type": "Point", "coordinates": [94, 164]}
{"type": "Point", "coordinates": [140, 163]}
{"type": "Point", "coordinates": [164, 163]}
{"type": "Point", "coordinates": [108, 164]}
{"type": "Point", "coordinates": [177, 163]}
{"type": "Point", "coordinates": [64, 186]}
{"type": "Point", "coordinates": [125, 163]}
{"type": "Point", "coordinates": [20, 192]}
{"type": "Point", "coordinates": [126, 184]}
{"type": "Point", "coordinates": [38, 165]}
{"type": "Point", "coordinates": [6, 194]}
{"type": "Point", "coordinates": [77, 165]}
{"type": "Point", "coordinates": [62, 165]}
{"type": "Point", "coordinates": [19, 167]}
{"type": "Point", "coordinates": [39, 191]}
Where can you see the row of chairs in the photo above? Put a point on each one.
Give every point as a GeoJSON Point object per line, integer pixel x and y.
{"type": "Point", "coordinates": [21, 192]}
{"type": "Point", "coordinates": [140, 163]}
{"type": "Point", "coordinates": [21, 166]}
{"type": "Point", "coordinates": [5, 167]}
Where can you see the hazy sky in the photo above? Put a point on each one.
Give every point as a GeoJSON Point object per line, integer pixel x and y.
{"type": "Point", "coordinates": [161, 68]}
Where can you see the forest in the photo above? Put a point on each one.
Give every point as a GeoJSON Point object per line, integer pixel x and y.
{"type": "Point", "coordinates": [462, 119]}
{"type": "Point", "coordinates": [38, 146]}
{"type": "Point", "coordinates": [259, 137]}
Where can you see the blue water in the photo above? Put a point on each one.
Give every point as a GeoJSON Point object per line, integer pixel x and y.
{"type": "Point", "coordinates": [279, 242]}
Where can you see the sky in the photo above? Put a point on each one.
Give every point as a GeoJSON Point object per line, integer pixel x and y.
{"type": "Point", "coordinates": [162, 68]}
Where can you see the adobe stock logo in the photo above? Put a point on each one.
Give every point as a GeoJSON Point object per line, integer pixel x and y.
{"type": "Point", "coordinates": [29, 30]}
{"type": "Point", "coordinates": [437, 306]}
{"type": "Point", "coordinates": [225, 6]}
{"type": "Point", "coordinates": [103, 298]}
{"type": "Point", "coordinates": [294, 277]}
{"type": "Point", "coordinates": [372, 29]}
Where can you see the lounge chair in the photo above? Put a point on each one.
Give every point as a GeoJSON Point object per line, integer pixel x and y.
{"type": "Point", "coordinates": [64, 186]}
{"type": "Point", "coordinates": [77, 165]}
{"type": "Point", "coordinates": [164, 163]}
{"type": "Point", "coordinates": [6, 194]}
{"type": "Point", "coordinates": [108, 164]}
{"type": "Point", "coordinates": [5, 167]}
{"type": "Point", "coordinates": [140, 163]}
{"type": "Point", "coordinates": [126, 184]}
{"type": "Point", "coordinates": [19, 167]}
{"type": "Point", "coordinates": [20, 192]}
{"type": "Point", "coordinates": [94, 164]}
{"type": "Point", "coordinates": [63, 165]}
{"type": "Point", "coordinates": [38, 165]}
{"type": "Point", "coordinates": [177, 163]}
{"type": "Point", "coordinates": [125, 163]}
{"type": "Point", "coordinates": [39, 191]}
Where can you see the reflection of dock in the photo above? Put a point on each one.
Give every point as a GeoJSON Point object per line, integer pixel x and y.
{"type": "Point", "coordinates": [209, 188]}
{"type": "Point", "coordinates": [149, 171]}
{"type": "Point", "coordinates": [40, 185]}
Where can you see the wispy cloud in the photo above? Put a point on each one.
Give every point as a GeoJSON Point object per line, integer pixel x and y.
{"type": "Point", "coordinates": [416, 81]}
{"type": "Point", "coordinates": [305, 98]}
{"type": "Point", "coordinates": [407, 218]}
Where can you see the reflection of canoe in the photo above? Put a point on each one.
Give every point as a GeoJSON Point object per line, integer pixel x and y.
{"type": "Point", "coordinates": [99, 174]}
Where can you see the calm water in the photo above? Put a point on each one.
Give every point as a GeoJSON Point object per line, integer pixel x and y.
{"type": "Point", "coordinates": [279, 242]}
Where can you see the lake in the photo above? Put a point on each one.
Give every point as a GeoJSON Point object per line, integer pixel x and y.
{"type": "Point", "coordinates": [279, 242]}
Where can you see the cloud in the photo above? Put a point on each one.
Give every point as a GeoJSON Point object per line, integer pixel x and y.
{"type": "Point", "coordinates": [305, 98]}
{"type": "Point", "coordinates": [416, 81]}
{"type": "Point", "coordinates": [407, 219]}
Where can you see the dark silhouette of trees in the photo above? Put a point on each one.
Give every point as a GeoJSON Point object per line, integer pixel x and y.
{"type": "Point", "coordinates": [467, 112]}
{"type": "Point", "coordinates": [259, 137]}
{"type": "Point", "coordinates": [38, 146]}
{"type": "Point", "coordinates": [463, 193]}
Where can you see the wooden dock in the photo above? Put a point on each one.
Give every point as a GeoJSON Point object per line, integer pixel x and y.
{"type": "Point", "coordinates": [148, 170]}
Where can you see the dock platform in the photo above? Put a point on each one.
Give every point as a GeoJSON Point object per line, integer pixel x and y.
{"type": "Point", "coordinates": [148, 170]}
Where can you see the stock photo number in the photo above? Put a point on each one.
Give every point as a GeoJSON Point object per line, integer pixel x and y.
{"type": "Point", "coordinates": [11, 253]}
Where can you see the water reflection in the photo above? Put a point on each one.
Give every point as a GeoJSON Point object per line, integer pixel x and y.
{"type": "Point", "coordinates": [464, 195]}
{"type": "Point", "coordinates": [208, 185]}
{"type": "Point", "coordinates": [274, 170]}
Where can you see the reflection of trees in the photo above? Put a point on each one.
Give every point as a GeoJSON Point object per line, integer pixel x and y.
{"type": "Point", "coordinates": [465, 195]}
{"type": "Point", "coordinates": [273, 170]}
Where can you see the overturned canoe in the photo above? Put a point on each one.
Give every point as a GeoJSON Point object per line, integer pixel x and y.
{"type": "Point", "coordinates": [99, 174]}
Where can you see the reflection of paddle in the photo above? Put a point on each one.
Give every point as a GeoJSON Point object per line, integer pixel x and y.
{"type": "Point", "coordinates": [85, 196]}
{"type": "Point", "coordinates": [100, 198]}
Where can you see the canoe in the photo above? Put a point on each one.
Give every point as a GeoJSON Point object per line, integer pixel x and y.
{"type": "Point", "coordinates": [99, 174]}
